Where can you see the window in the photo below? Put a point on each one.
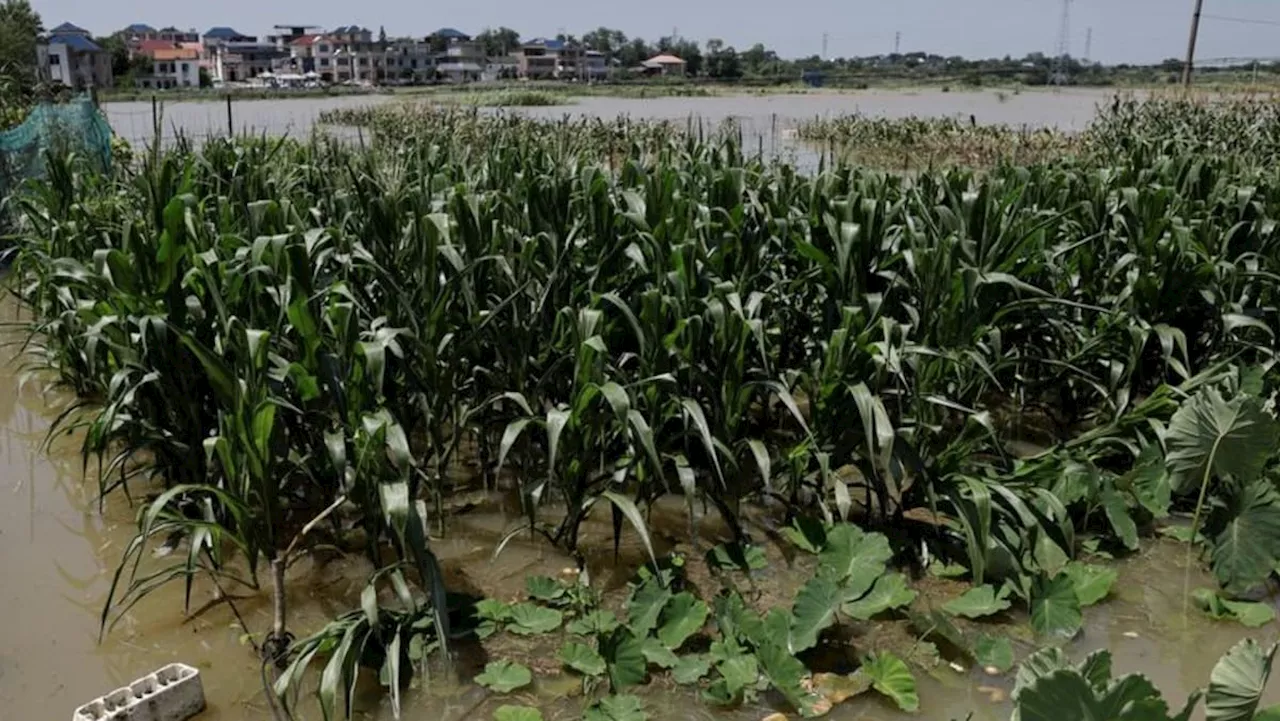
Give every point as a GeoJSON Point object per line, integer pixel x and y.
{"type": "Point", "coordinates": [364, 62]}
{"type": "Point", "coordinates": [55, 60]}
{"type": "Point", "coordinates": [324, 62]}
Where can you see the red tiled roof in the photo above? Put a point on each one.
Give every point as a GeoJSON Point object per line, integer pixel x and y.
{"type": "Point", "coordinates": [306, 40]}
{"type": "Point", "coordinates": [175, 54]}
{"type": "Point", "coordinates": [148, 46]}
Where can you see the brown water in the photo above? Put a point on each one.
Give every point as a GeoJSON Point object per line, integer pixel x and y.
{"type": "Point", "coordinates": [57, 553]}
{"type": "Point", "coordinates": [762, 117]}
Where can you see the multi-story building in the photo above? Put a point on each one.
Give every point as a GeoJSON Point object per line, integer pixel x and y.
{"type": "Point", "coordinates": [410, 60]}
{"type": "Point", "coordinates": [286, 35]}
{"type": "Point", "coordinates": [139, 32]}
{"type": "Point", "coordinates": [176, 67]}
{"type": "Point", "coordinates": [68, 55]}
{"type": "Point", "coordinates": [238, 62]}
{"type": "Point", "coordinates": [460, 59]}
{"type": "Point", "coordinates": [543, 59]}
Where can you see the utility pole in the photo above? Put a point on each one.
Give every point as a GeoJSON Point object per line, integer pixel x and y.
{"type": "Point", "coordinates": [1191, 44]}
{"type": "Point", "coordinates": [1063, 50]}
{"type": "Point", "coordinates": [1088, 45]}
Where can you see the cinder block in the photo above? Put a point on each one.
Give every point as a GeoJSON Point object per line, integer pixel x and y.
{"type": "Point", "coordinates": [174, 693]}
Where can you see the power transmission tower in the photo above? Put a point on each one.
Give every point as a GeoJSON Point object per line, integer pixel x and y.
{"type": "Point", "coordinates": [1191, 44]}
{"type": "Point", "coordinates": [824, 46]}
{"type": "Point", "coordinates": [1088, 45]}
{"type": "Point", "coordinates": [1062, 52]}
{"type": "Point", "coordinates": [897, 42]}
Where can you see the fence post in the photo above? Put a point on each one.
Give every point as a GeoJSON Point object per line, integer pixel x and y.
{"type": "Point", "coordinates": [231, 128]}
{"type": "Point", "coordinates": [155, 117]}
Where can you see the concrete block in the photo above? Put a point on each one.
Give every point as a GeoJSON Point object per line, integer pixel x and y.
{"type": "Point", "coordinates": [174, 693]}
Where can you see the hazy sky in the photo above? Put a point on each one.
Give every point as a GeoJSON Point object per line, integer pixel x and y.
{"type": "Point", "coordinates": [1123, 30]}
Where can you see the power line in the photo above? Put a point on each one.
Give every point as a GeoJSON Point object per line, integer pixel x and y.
{"type": "Point", "coordinates": [1243, 21]}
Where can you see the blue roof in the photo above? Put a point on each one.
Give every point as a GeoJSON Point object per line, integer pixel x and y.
{"type": "Point", "coordinates": [349, 30]}
{"type": "Point", "coordinates": [75, 42]}
{"type": "Point", "coordinates": [222, 33]}
{"type": "Point", "coordinates": [548, 44]}
{"type": "Point", "coordinates": [67, 28]}
{"type": "Point", "coordinates": [451, 34]}
{"type": "Point", "coordinates": [140, 28]}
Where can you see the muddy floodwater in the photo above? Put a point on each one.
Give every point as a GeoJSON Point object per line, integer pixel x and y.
{"type": "Point", "coordinates": [58, 551]}
{"type": "Point", "coordinates": [765, 118]}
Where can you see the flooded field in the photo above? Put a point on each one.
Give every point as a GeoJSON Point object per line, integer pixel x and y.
{"type": "Point", "coordinates": [58, 552]}
{"type": "Point", "coordinates": [762, 117]}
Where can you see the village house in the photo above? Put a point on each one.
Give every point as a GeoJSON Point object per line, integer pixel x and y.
{"type": "Point", "coordinates": [68, 55]}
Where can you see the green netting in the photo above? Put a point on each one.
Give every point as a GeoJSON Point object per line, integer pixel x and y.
{"type": "Point", "coordinates": [76, 127]}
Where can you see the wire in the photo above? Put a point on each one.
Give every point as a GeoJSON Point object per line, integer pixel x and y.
{"type": "Point", "coordinates": [1243, 21]}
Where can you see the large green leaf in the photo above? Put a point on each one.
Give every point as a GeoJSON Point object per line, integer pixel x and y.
{"type": "Point", "coordinates": [737, 668]}
{"type": "Point", "coordinates": [786, 674]}
{"type": "Point", "coordinates": [1245, 551]}
{"type": "Point", "coordinates": [528, 619]}
{"type": "Point", "coordinates": [504, 676]}
{"type": "Point", "coordinates": [645, 606]}
{"type": "Point", "coordinates": [616, 708]}
{"type": "Point", "coordinates": [890, 676]}
{"type": "Point", "coordinates": [656, 653]}
{"type": "Point", "coordinates": [624, 655]}
{"type": "Point", "coordinates": [690, 669]}
{"type": "Point", "coordinates": [1066, 695]}
{"type": "Point", "coordinates": [1117, 512]}
{"type": "Point", "coordinates": [994, 651]}
{"type": "Point", "coordinates": [1055, 609]}
{"type": "Point", "coordinates": [1209, 435]}
{"type": "Point", "coordinates": [544, 588]}
{"type": "Point", "coordinates": [595, 623]}
{"type": "Point", "coordinates": [684, 616]}
{"type": "Point", "coordinates": [814, 611]}
{"type": "Point", "coordinates": [890, 592]}
{"type": "Point", "coordinates": [582, 658]}
{"type": "Point", "coordinates": [1237, 682]}
{"type": "Point", "coordinates": [1247, 613]}
{"type": "Point", "coordinates": [854, 559]}
{"type": "Point", "coordinates": [979, 602]}
{"type": "Point", "coordinates": [1092, 583]}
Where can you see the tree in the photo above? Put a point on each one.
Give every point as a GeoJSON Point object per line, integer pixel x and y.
{"type": "Point", "coordinates": [635, 52]}
{"type": "Point", "coordinates": [20, 26]}
{"type": "Point", "coordinates": [382, 37]}
{"type": "Point", "coordinates": [722, 62]}
{"type": "Point", "coordinates": [500, 42]}
{"type": "Point", "coordinates": [206, 80]}
{"type": "Point", "coordinates": [604, 40]}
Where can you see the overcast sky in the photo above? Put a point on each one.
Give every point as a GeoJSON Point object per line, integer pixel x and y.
{"type": "Point", "coordinates": [1123, 30]}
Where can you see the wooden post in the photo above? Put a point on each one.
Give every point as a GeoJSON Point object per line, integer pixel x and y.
{"type": "Point", "coordinates": [231, 128]}
{"type": "Point", "coordinates": [155, 117]}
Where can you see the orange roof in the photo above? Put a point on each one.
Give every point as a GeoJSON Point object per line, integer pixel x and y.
{"type": "Point", "coordinates": [149, 46]}
{"type": "Point", "coordinates": [306, 40]}
{"type": "Point", "coordinates": [176, 54]}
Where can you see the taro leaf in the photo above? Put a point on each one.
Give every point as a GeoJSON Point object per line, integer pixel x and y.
{"type": "Point", "coordinates": [995, 651]}
{"type": "Point", "coordinates": [889, 592]}
{"type": "Point", "coordinates": [1150, 481]}
{"type": "Point", "coordinates": [737, 557]}
{"type": "Point", "coordinates": [1065, 695]}
{"type": "Point", "coordinates": [854, 559]}
{"type": "Point", "coordinates": [492, 614]}
{"type": "Point", "coordinates": [542, 588]}
{"type": "Point", "coordinates": [1096, 669]}
{"type": "Point", "coordinates": [1055, 610]}
{"type": "Point", "coordinates": [645, 605]}
{"type": "Point", "coordinates": [517, 713]}
{"type": "Point", "coordinates": [658, 654]}
{"type": "Point", "coordinates": [690, 669]}
{"type": "Point", "coordinates": [616, 708]}
{"type": "Point", "coordinates": [938, 626]}
{"type": "Point", "coordinates": [813, 612]}
{"type": "Point", "coordinates": [947, 570]}
{"type": "Point", "coordinates": [1237, 681]}
{"type": "Point", "coordinates": [890, 676]}
{"type": "Point", "coordinates": [835, 689]}
{"type": "Point", "coordinates": [529, 619]}
{"type": "Point", "coordinates": [1209, 435]}
{"type": "Point", "coordinates": [1092, 583]}
{"type": "Point", "coordinates": [1245, 552]}
{"type": "Point", "coordinates": [582, 658]}
{"type": "Point", "coordinates": [979, 602]}
{"type": "Point", "coordinates": [1181, 534]}
{"type": "Point", "coordinates": [504, 676]}
{"type": "Point", "coordinates": [1117, 511]}
{"type": "Point", "coordinates": [786, 674]}
{"type": "Point", "coordinates": [738, 668]}
{"type": "Point", "coordinates": [683, 617]}
{"type": "Point", "coordinates": [1251, 614]}
{"type": "Point", "coordinates": [807, 534]}
{"type": "Point", "coordinates": [624, 655]}
{"type": "Point", "coordinates": [1037, 666]}
{"type": "Point", "coordinates": [594, 623]}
